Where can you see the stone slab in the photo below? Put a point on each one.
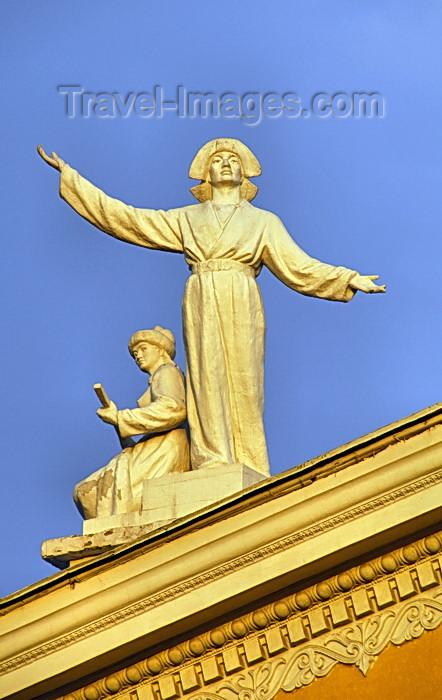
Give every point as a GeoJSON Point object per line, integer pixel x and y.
{"type": "Point", "coordinates": [165, 499]}
{"type": "Point", "coordinates": [63, 550]}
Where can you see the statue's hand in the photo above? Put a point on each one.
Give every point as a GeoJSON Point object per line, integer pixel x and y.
{"type": "Point", "coordinates": [56, 162]}
{"type": "Point", "coordinates": [109, 414]}
{"type": "Point", "coordinates": [364, 283]}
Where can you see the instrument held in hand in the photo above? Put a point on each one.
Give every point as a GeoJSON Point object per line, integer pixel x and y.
{"type": "Point", "coordinates": [102, 395]}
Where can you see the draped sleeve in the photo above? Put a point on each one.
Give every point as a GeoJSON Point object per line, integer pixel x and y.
{"type": "Point", "coordinates": [145, 227]}
{"type": "Point", "coordinates": [167, 409]}
{"type": "Point", "coordinates": [290, 264]}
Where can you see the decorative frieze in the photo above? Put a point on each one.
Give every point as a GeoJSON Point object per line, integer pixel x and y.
{"type": "Point", "coordinates": [357, 645]}
{"type": "Point", "coordinates": [349, 618]}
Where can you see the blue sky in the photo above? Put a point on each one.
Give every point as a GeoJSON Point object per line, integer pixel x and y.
{"type": "Point", "coordinates": [363, 193]}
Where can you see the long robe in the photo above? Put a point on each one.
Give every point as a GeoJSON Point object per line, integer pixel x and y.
{"type": "Point", "coordinates": [223, 317]}
{"type": "Point", "coordinates": [117, 487]}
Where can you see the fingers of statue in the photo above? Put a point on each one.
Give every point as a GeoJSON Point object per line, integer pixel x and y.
{"type": "Point", "coordinates": [45, 156]}
{"type": "Point", "coordinates": [55, 162]}
{"type": "Point", "coordinates": [103, 413]}
{"type": "Point", "coordinates": [374, 288]}
{"type": "Point", "coordinates": [368, 286]}
{"type": "Point", "coordinates": [60, 162]}
{"type": "Point", "coordinates": [109, 414]}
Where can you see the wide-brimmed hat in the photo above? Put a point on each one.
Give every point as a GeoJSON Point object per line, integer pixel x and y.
{"type": "Point", "coordinates": [200, 167]}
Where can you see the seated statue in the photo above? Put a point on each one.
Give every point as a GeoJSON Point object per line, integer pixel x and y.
{"type": "Point", "coordinates": [164, 448]}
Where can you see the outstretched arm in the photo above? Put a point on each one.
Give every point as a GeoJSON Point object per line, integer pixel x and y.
{"type": "Point", "coordinates": [295, 268]}
{"type": "Point", "coordinates": [145, 227]}
{"type": "Point", "coordinates": [307, 275]}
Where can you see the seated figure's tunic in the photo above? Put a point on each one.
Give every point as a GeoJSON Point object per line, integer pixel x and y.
{"type": "Point", "coordinates": [117, 487]}
{"type": "Point", "coordinates": [223, 318]}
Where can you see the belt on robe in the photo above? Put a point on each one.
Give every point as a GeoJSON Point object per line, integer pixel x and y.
{"type": "Point", "coordinates": [219, 265]}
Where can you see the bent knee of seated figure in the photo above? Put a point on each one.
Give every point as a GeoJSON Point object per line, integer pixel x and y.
{"type": "Point", "coordinates": [85, 497]}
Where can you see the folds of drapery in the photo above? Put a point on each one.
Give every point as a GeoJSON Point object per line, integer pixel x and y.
{"type": "Point", "coordinates": [117, 487]}
{"type": "Point", "coordinates": [223, 316]}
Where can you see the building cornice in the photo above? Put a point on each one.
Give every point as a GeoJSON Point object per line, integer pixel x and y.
{"type": "Point", "coordinates": [349, 618]}
{"type": "Point", "coordinates": [122, 605]}
{"type": "Point", "coordinates": [290, 480]}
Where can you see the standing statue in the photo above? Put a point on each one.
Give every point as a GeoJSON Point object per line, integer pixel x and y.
{"type": "Point", "coordinates": [226, 241]}
{"type": "Point", "coordinates": [117, 488]}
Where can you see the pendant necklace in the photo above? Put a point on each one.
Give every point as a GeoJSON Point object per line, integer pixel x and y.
{"type": "Point", "coordinates": [221, 224]}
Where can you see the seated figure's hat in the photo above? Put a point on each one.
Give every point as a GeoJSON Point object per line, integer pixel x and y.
{"type": "Point", "coordinates": [201, 163]}
{"type": "Point", "coordinates": [161, 337]}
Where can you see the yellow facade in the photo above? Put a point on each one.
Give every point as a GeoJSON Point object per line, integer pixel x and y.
{"type": "Point", "coordinates": [409, 672]}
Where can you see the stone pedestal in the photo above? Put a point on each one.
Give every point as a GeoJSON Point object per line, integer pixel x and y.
{"type": "Point", "coordinates": [165, 499]}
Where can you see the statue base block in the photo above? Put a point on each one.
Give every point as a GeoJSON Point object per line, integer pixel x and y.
{"type": "Point", "coordinates": [165, 499]}
{"type": "Point", "coordinates": [175, 495]}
